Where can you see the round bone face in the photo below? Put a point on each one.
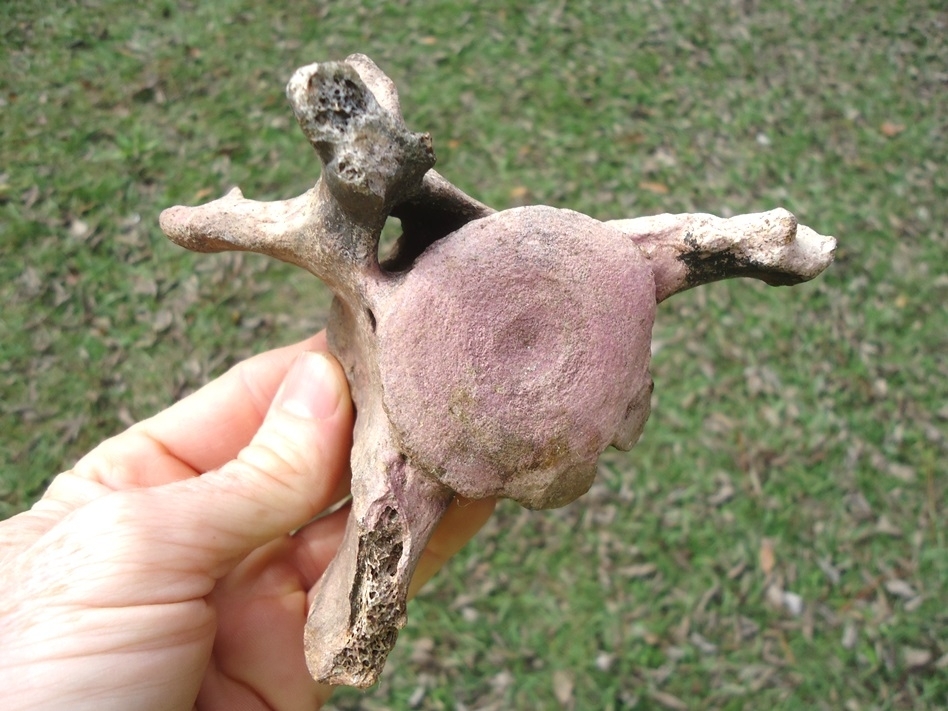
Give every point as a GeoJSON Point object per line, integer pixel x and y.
{"type": "Point", "coordinates": [516, 350]}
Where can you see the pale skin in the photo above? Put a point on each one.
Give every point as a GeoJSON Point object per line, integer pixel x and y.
{"type": "Point", "coordinates": [172, 567]}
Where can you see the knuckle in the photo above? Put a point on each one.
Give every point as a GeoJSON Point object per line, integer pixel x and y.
{"type": "Point", "coordinates": [278, 455]}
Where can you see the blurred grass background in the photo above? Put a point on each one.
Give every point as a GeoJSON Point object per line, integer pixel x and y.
{"type": "Point", "coordinates": [777, 539]}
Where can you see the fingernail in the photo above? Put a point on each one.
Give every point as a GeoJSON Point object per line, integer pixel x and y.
{"type": "Point", "coordinates": [311, 389]}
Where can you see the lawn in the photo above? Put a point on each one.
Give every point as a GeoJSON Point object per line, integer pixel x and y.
{"type": "Point", "coordinates": [777, 538]}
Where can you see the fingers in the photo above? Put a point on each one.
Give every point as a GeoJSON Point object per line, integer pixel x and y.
{"type": "Point", "coordinates": [295, 466]}
{"type": "Point", "coordinates": [198, 434]}
{"type": "Point", "coordinates": [209, 427]}
{"type": "Point", "coordinates": [463, 519]}
{"type": "Point", "coordinates": [315, 545]}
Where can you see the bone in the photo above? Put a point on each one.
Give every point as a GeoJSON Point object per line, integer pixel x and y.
{"type": "Point", "coordinates": [359, 604]}
{"type": "Point", "coordinates": [494, 354]}
{"type": "Point", "coordinates": [371, 161]}
{"type": "Point", "coordinates": [692, 249]}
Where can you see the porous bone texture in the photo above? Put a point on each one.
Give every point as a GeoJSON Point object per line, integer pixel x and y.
{"type": "Point", "coordinates": [516, 350]}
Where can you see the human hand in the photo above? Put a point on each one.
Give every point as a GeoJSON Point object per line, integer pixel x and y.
{"type": "Point", "coordinates": [160, 573]}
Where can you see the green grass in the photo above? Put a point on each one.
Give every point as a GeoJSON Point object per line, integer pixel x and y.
{"type": "Point", "coordinates": [822, 408]}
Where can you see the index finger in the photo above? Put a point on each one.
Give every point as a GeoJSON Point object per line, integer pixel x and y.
{"type": "Point", "coordinates": [209, 427]}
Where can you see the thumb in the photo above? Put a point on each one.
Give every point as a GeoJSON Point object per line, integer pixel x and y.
{"type": "Point", "coordinates": [294, 467]}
